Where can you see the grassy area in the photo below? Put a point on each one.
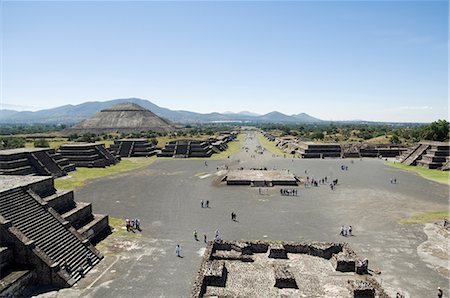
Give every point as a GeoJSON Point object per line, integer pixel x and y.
{"type": "Point", "coordinates": [270, 146]}
{"type": "Point", "coordinates": [81, 175]}
{"type": "Point", "coordinates": [425, 217]}
{"type": "Point", "coordinates": [113, 244]}
{"type": "Point", "coordinates": [434, 175]}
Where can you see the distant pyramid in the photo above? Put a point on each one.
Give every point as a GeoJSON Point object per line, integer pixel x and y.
{"type": "Point", "coordinates": [123, 118]}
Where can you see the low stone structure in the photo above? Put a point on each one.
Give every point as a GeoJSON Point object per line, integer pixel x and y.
{"type": "Point", "coordinates": [34, 161]}
{"type": "Point", "coordinates": [260, 178]}
{"type": "Point", "coordinates": [309, 270]}
{"type": "Point", "coordinates": [44, 235]}
{"type": "Point", "coordinates": [133, 148]}
{"type": "Point", "coordinates": [91, 155]}
{"type": "Point", "coordinates": [319, 150]}
{"type": "Point", "coordinates": [188, 148]}
{"type": "Point", "coordinates": [428, 154]}
{"type": "Point", "coordinates": [381, 150]}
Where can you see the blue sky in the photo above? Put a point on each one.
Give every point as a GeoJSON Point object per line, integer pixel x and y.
{"type": "Point", "coordinates": [382, 61]}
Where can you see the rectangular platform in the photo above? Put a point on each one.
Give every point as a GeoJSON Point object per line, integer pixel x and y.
{"type": "Point", "coordinates": [260, 177]}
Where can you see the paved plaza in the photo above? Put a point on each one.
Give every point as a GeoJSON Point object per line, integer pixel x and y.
{"type": "Point", "coordinates": [166, 197]}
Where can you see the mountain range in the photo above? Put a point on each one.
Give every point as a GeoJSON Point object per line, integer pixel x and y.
{"type": "Point", "coordinates": [69, 114]}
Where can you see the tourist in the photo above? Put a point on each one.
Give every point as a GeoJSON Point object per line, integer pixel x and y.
{"type": "Point", "coordinates": [178, 251]}
{"type": "Point", "coordinates": [127, 222]}
{"type": "Point", "coordinates": [195, 235]}
{"type": "Point", "coordinates": [81, 271]}
{"type": "Point", "coordinates": [67, 267]}
{"type": "Point", "coordinates": [440, 294]}
{"type": "Point", "coordinates": [89, 259]}
{"type": "Point", "coordinates": [207, 203]}
{"type": "Point", "coordinates": [201, 203]}
{"type": "Point", "coordinates": [137, 224]}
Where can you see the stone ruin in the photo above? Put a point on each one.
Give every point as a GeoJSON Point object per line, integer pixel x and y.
{"type": "Point", "coordinates": [428, 154]}
{"type": "Point", "coordinates": [260, 177]}
{"type": "Point", "coordinates": [34, 161]}
{"type": "Point", "coordinates": [282, 269]}
{"type": "Point", "coordinates": [91, 155]}
{"type": "Point", "coordinates": [319, 150]}
{"type": "Point", "coordinates": [191, 148]}
{"type": "Point", "coordinates": [187, 148]}
{"type": "Point", "coordinates": [132, 148]}
{"type": "Point", "coordinates": [45, 236]}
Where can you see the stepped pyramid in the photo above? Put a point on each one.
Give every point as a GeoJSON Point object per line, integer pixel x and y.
{"type": "Point", "coordinates": [45, 236]}
{"type": "Point", "coordinates": [122, 118]}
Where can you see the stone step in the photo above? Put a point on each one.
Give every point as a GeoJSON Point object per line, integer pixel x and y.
{"type": "Point", "coordinates": [14, 281]}
{"type": "Point", "coordinates": [95, 227]}
{"type": "Point", "coordinates": [79, 215]}
{"type": "Point", "coordinates": [6, 257]}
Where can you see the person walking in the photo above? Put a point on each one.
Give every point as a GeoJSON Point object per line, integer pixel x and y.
{"type": "Point", "coordinates": [178, 251]}
{"type": "Point", "coordinates": [440, 294]}
{"type": "Point", "coordinates": [201, 203]}
{"type": "Point", "coordinates": [195, 235]}
{"type": "Point", "coordinates": [350, 229]}
{"type": "Point", "coordinates": [204, 238]}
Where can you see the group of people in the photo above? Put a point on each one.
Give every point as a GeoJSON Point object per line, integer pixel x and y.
{"type": "Point", "coordinates": [288, 192]}
{"type": "Point", "coordinates": [133, 224]}
{"type": "Point", "coordinates": [204, 204]}
{"type": "Point", "coordinates": [393, 180]}
{"type": "Point", "coordinates": [80, 269]}
{"type": "Point", "coordinates": [363, 266]}
{"type": "Point", "coordinates": [344, 168]}
{"type": "Point", "coordinates": [346, 231]}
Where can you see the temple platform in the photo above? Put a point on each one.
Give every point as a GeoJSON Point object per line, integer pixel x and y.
{"type": "Point", "coordinates": [260, 178]}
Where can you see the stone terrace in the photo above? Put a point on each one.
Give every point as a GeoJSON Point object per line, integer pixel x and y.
{"type": "Point", "coordinates": [265, 269]}
{"type": "Point", "coordinates": [260, 177]}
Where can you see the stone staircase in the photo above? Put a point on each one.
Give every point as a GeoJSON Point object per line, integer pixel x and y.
{"type": "Point", "coordinates": [125, 149]}
{"type": "Point", "coordinates": [48, 165]}
{"type": "Point", "coordinates": [138, 148]}
{"type": "Point", "coordinates": [33, 161]}
{"type": "Point", "coordinates": [415, 154]}
{"type": "Point", "coordinates": [428, 154]}
{"type": "Point", "coordinates": [53, 237]}
{"type": "Point", "coordinates": [12, 278]}
{"type": "Point", "coordinates": [87, 155]}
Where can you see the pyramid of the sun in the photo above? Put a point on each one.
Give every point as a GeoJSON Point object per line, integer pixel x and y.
{"type": "Point", "coordinates": [123, 118]}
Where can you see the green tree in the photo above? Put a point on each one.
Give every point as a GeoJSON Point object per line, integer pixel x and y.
{"type": "Point", "coordinates": [436, 131]}
{"type": "Point", "coordinates": [394, 139]}
{"type": "Point", "coordinates": [41, 143]}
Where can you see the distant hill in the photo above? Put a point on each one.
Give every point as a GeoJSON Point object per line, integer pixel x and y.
{"type": "Point", "coordinates": [69, 114]}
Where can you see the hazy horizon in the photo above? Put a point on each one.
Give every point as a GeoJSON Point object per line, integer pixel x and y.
{"type": "Point", "coordinates": [372, 61]}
